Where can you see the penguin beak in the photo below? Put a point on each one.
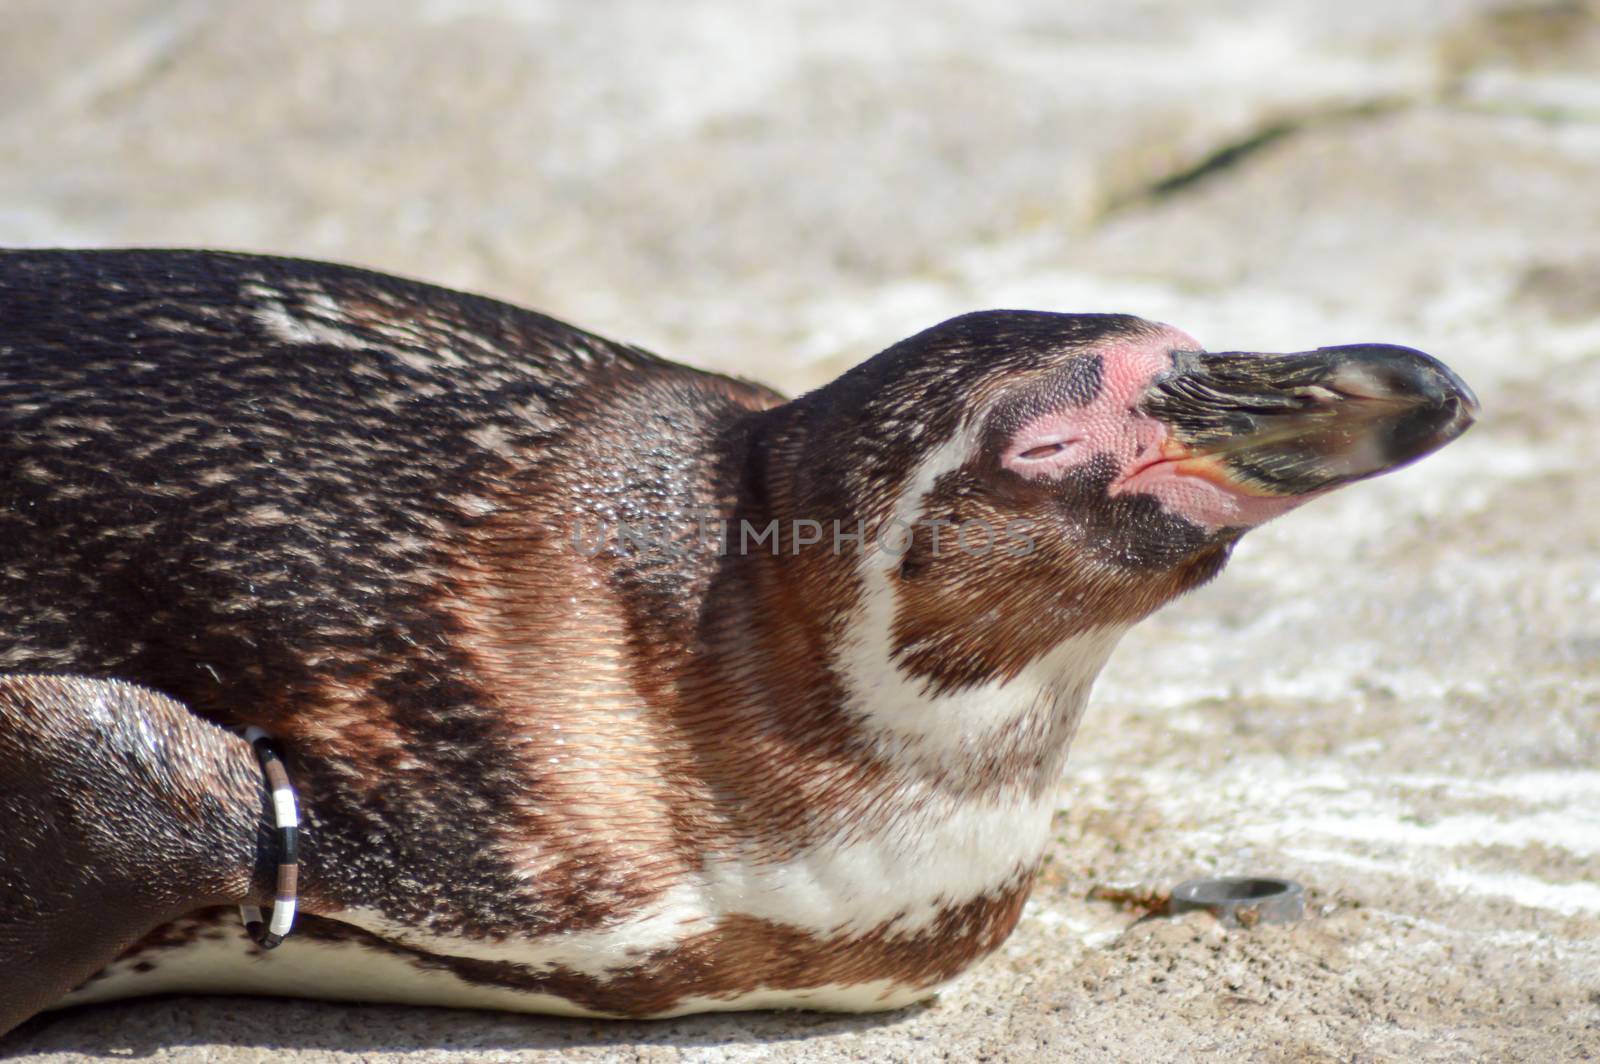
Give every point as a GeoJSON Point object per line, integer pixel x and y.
{"type": "Point", "coordinates": [1295, 424]}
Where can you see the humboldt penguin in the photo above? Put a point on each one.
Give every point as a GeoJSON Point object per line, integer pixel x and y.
{"type": "Point", "coordinates": [601, 685]}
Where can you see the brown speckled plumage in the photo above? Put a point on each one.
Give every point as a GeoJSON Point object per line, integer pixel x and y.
{"type": "Point", "coordinates": [341, 507]}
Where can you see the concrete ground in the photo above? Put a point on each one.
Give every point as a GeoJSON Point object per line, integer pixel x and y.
{"type": "Point", "coordinates": [1393, 694]}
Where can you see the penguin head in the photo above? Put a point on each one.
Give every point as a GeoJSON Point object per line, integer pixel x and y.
{"type": "Point", "coordinates": [1029, 476]}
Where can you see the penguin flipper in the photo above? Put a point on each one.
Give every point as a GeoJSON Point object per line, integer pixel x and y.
{"type": "Point", "coordinates": [120, 810]}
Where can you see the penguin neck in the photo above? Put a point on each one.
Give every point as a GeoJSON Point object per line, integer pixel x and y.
{"type": "Point", "coordinates": [1005, 730]}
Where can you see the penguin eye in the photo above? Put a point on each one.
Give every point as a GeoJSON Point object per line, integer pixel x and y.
{"type": "Point", "coordinates": [1043, 457]}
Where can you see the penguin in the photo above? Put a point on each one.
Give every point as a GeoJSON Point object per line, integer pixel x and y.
{"type": "Point", "coordinates": [595, 684]}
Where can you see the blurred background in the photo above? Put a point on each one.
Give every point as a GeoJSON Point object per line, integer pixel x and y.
{"type": "Point", "coordinates": [1392, 696]}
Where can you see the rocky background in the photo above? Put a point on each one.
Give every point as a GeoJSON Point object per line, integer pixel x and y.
{"type": "Point", "coordinates": [1392, 696]}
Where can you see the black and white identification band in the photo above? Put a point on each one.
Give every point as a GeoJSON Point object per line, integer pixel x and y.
{"type": "Point", "coordinates": [286, 817]}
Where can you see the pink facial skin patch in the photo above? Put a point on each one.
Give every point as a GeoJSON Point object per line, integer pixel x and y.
{"type": "Point", "coordinates": [1193, 487]}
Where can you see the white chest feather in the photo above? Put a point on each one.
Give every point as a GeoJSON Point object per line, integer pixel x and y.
{"type": "Point", "coordinates": [224, 963]}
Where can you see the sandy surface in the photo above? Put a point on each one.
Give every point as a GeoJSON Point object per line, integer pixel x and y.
{"type": "Point", "coordinates": [1392, 696]}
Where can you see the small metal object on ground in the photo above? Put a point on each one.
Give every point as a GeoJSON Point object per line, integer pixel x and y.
{"type": "Point", "coordinates": [1242, 901]}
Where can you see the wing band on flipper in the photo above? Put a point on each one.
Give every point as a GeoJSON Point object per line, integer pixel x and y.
{"type": "Point", "coordinates": [286, 816]}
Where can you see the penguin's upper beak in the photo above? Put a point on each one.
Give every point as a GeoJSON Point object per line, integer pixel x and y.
{"type": "Point", "coordinates": [1294, 424]}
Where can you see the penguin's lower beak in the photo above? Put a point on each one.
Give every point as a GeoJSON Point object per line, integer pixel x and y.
{"type": "Point", "coordinates": [1295, 424]}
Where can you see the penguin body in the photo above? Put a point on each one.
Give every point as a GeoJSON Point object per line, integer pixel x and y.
{"type": "Point", "coordinates": [607, 686]}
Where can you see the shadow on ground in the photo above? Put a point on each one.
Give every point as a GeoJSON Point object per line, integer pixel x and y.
{"type": "Point", "coordinates": [176, 1025]}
